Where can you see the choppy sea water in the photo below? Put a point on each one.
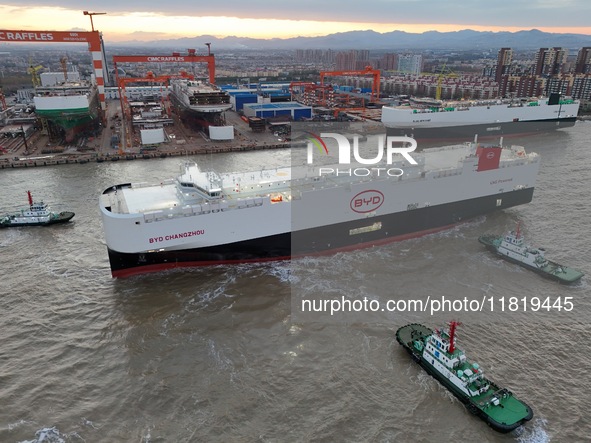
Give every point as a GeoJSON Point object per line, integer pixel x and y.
{"type": "Point", "coordinates": [213, 354]}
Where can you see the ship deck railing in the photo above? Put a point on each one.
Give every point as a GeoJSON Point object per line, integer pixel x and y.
{"type": "Point", "coordinates": [450, 106]}
{"type": "Point", "coordinates": [202, 208]}
{"type": "Point", "coordinates": [254, 194]}
{"type": "Point", "coordinates": [147, 185]}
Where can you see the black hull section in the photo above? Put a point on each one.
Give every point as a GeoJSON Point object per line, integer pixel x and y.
{"type": "Point", "coordinates": [199, 121]}
{"type": "Point", "coordinates": [484, 131]}
{"type": "Point", "coordinates": [321, 240]}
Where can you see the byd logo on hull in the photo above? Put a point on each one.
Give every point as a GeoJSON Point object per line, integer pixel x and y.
{"type": "Point", "coordinates": [367, 201]}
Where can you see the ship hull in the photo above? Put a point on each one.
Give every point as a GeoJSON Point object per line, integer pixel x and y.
{"type": "Point", "coordinates": [70, 115]}
{"type": "Point", "coordinates": [569, 277]}
{"type": "Point", "coordinates": [72, 126]}
{"type": "Point", "coordinates": [320, 240]}
{"type": "Point", "coordinates": [200, 107]}
{"type": "Point", "coordinates": [69, 118]}
{"type": "Point", "coordinates": [492, 130]}
{"type": "Point", "coordinates": [201, 111]}
{"type": "Point", "coordinates": [62, 217]}
{"type": "Point", "coordinates": [468, 403]}
{"type": "Point", "coordinates": [198, 119]}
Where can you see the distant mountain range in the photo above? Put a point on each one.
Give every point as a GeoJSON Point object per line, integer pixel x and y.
{"type": "Point", "coordinates": [395, 40]}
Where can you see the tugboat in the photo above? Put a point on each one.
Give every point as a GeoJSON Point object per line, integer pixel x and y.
{"type": "Point", "coordinates": [436, 352]}
{"type": "Point", "coordinates": [38, 214]}
{"type": "Point", "coordinates": [512, 247]}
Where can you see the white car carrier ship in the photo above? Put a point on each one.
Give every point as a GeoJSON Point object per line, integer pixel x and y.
{"type": "Point", "coordinates": [206, 218]}
{"type": "Point", "coordinates": [462, 120]}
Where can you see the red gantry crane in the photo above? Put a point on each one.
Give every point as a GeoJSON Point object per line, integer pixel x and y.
{"type": "Point", "coordinates": [308, 92]}
{"type": "Point", "coordinates": [375, 73]}
{"type": "Point", "coordinates": [375, 86]}
{"type": "Point", "coordinates": [95, 46]}
{"type": "Point", "coordinates": [149, 78]}
{"type": "Point", "coordinates": [176, 57]}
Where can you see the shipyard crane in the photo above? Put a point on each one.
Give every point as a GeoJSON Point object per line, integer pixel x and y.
{"type": "Point", "coordinates": [375, 86]}
{"type": "Point", "coordinates": [175, 57]}
{"type": "Point", "coordinates": [442, 73]}
{"type": "Point", "coordinates": [34, 71]}
{"type": "Point", "coordinates": [95, 46]}
{"type": "Point", "coordinates": [436, 75]}
{"type": "Point", "coordinates": [125, 109]}
{"type": "Point", "coordinates": [64, 63]}
{"type": "Point", "coordinates": [308, 89]}
{"type": "Point", "coordinates": [90, 14]}
{"type": "Point", "coordinates": [3, 106]}
{"type": "Point", "coordinates": [149, 78]}
{"type": "Point", "coordinates": [300, 84]}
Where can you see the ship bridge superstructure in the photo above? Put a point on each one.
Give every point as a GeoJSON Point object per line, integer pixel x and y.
{"type": "Point", "coordinates": [37, 210]}
{"type": "Point", "coordinates": [200, 96]}
{"type": "Point", "coordinates": [194, 184]}
{"type": "Point", "coordinates": [513, 246]}
{"type": "Point", "coordinates": [451, 362]}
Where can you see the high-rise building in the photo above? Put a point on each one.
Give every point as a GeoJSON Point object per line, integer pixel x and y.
{"type": "Point", "coordinates": [388, 62]}
{"type": "Point", "coordinates": [315, 55]}
{"type": "Point", "coordinates": [410, 63]}
{"type": "Point", "coordinates": [504, 60]}
{"type": "Point", "coordinates": [352, 60]}
{"type": "Point", "coordinates": [550, 61]}
{"type": "Point", "coordinates": [583, 63]}
{"type": "Point", "coordinates": [560, 84]}
{"type": "Point", "coordinates": [581, 87]}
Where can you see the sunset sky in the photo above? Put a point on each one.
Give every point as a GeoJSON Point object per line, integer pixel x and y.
{"type": "Point", "coordinates": [155, 20]}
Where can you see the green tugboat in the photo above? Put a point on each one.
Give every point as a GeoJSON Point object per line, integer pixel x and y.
{"type": "Point", "coordinates": [436, 352]}
{"type": "Point", "coordinates": [38, 214]}
{"type": "Point", "coordinates": [512, 247]}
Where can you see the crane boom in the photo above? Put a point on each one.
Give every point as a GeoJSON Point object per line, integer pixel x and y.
{"type": "Point", "coordinates": [375, 73]}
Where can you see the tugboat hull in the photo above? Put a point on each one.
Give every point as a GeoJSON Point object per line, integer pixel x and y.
{"type": "Point", "coordinates": [407, 335]}
{"type": "Point", "coordinates": [62, 217]}
{"type": "Point", "coordinates": [551, 270]}
{"type": "Point", "coordinates": [38, 214]}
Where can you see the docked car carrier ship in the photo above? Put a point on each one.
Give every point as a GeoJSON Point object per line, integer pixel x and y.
{"type": "Point", "coordinates": [206, 218]}
{"type": "Point", "coordinates": [436, 120]}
